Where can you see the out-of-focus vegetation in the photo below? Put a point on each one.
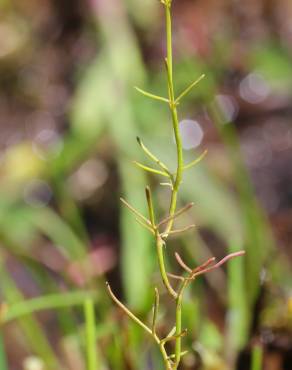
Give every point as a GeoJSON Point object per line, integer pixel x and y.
{"type": "Point", "coordinates": [69, 117]}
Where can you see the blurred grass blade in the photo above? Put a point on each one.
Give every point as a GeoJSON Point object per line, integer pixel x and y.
{"type": "Point", "coordinates": [238, 307]}
{"type": "Point", "coordinates": [90, 331]}
{"type": "Point", "coordinates": [36, 337]}
{"type": "Point", "coordinates": [256, 229]}
{"type": "Point", "coordinates": [46, 302]}
{"type": "Point", "coordinates": [3, 361]}
{"type": "Point", "coordinates": [123, 67]}
{"type": "Point", "coordinates": [52, 225]}
{"type": "Point", "coordinates": [257, 357]}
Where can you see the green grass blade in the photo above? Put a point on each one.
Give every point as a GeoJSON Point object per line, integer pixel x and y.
{"type": "Point", "coordinates": [31, 328]}
{"type": "Point", "coordinates": [238, 307]}
{"type": "Point", "coordinates": [3, 361]}
{"type": "Point", "coordinates": [46, 302]}
{"type": "Point", "coordinates": [53, 226]}
{"type": "Point", "coordinates": [257, 357]}
{"type": "Point", "coordinates": [91, 352]}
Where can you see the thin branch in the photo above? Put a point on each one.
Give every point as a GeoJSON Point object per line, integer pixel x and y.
{"type": "Point", "coordinates": [189, 88]}
{"type": "Point", "coordinates": [220, 263]}
{"type": "Point", "coordinates": [152, 96]}
{"type": "Point", "coordinates": [196, 161]}
{"type": "Point", "coordinates": [176, 214]}
{"type": "Point", "coordinates": [145, 225]}
{"type": "Point", "coordinates": [127, 311]}
{"type": "Point", "coordinates": [173, 337]}
{"type": "Point", "coordinates": [177, 277]}
{"type": "Point", "coordinates": [204, 265]}
{"type": "Point", "coordinates": [183, 229]}
{"type": "Point", "coordinates": [182, 263]}
{"type": "Point", "coordinates": [150, 169]}
{"type": "Point", "coordinates": [173, 355]}
{"type": "Point", "coordinates": [137, 213]}
{"type": "Point", "coordinates": [155, 311]}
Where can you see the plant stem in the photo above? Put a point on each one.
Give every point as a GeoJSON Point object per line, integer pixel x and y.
{"type": "Point", "coordinates": [257, 357]}
{"type": "Point", "coordinates": [174, 116]}
{"type": "Point", "coordinates": [3, 360]}
{"type": "Point", "coordinates": [179, 170]}
{"type": "Point", "coordinates": [178, 322]}
{"type": "Point", "coordinates": [178, 176]}
{"type": "Point", "coordinates": [145, 327]}
{"type": "Point", "coordinates": [159, 247]}
{"type": "Point", "coordinates": [90, 334]}
{"type": "Point", "coordinates": [178, 330]}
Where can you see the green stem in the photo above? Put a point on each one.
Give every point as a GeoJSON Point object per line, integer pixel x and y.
{"type": "Point", "coordinates": [257, 357]}
{"type": "Point", "coordinates": [159, 246]}
{"type": "Point", "coordinates": [174, 116]}
{"type": "Point", "coordinates": [178, 327]}
{"type": "Point", "coordinates": [169, 40]}
{"type": "Point", "coordinates": [178, 177]}
{"type": "Point", "coordinates": [90, 334]}
{"type": "Point", "coordinates": [3, 360]}
{"type": "Point", "coordinates": [145, 327]}
{"type": "Point", "coordinates": [178, 330]}
{"type": "Point", "coordinates": [163, 353]}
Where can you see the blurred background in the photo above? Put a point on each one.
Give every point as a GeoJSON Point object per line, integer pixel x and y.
{"type": "Point", "coordinates": [69, 118]}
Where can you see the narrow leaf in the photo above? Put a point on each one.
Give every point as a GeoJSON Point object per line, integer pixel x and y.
{"type": "Point", "coordinates": [152, 96]}
{"type": "Point", "coordinates": [196, 161]}
{"type": "Point", "coordinates": [150, 169]}
{"type": "Point", "coordinates": [153, 157]}
{"type": "Point", "coordinates": [189, 88]}
{"type": "Point", "coordinates": [135, 211]}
